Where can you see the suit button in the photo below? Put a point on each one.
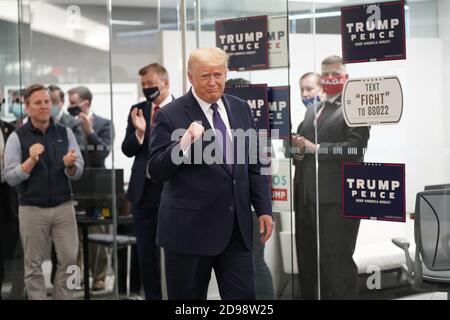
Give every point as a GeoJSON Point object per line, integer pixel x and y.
{"type": "Point", "coordinates": [231, 208]}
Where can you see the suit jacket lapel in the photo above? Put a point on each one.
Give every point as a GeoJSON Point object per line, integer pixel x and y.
{"type": "Point", "coordinates": [233, 125]}
{"type": "Point", "coordinates": [329, 108]}
{"type": "Point", "coordinates": [195, 112]}
{"type": "Point", "coordinates": [231, 117]}
{"type": "Point", "coordinates": [94, 122]}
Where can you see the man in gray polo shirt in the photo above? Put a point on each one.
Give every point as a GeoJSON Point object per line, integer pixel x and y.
{"type": "Point", "coordinates": [40, 158]}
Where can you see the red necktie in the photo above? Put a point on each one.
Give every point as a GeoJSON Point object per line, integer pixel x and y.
{"type": "Point", "coordinates": [155, 110]}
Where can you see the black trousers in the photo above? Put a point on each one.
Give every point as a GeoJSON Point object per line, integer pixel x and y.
{"type": "Point", "coordinates": [338, 271]}
{"type": "Point", "coordinates": [188, 276]}
{"type": "Point", "coordinates": [145, 220]}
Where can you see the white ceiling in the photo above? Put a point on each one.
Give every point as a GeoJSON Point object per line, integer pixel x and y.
{"type": "Point", "coordinates": [269, 6]}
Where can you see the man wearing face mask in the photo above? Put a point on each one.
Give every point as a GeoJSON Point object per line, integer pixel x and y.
{"type": "Point", "coordinates": [311, 89]}
{"type": "Point", "coordinates": [144, 193]}
{"type": "Point", "coordinates": [59, 116]}
{"type": "Point", "coordinates": [96, 130]}
{"type": "Point", "coordinates": [98, 135]}
{"type": "Point", "coordinates": [338, 271]}
{"type": "Point", "coordinates": [17, 108]}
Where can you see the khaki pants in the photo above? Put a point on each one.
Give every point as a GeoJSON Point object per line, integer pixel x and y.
{"type": "Point", "coordinates": [38, 226]}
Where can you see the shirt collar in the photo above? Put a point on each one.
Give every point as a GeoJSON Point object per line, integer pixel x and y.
{"type": "Point", "coordinates": [29, 123]}
{"type": "Point", "coordinates": [333, 98]}
{"type": "Point", "coordinates": [167, 100]}
{"type": "Point", "coordinates": [206, 105]}
{"type": "Point", "coordinates": [60, 114]}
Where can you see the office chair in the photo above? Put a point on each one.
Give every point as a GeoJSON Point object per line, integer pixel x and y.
{"type": "Point", "coordinates": [430, 269]}
{"type": "Point", "coordinates": [123, 241]}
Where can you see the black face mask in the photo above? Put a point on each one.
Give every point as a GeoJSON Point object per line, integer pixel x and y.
{"type": "Point", "coordinates": [151, 93]}
{"type": "Point", "coordinates": [74, 111]}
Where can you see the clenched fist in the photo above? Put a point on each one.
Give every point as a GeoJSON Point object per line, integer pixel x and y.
{"type": "Point", "coordinates": [35, 151]}
{"type": "Point", "coordinates": [193, 133]}
{"type": "Point", "coordinates": [70, 158]}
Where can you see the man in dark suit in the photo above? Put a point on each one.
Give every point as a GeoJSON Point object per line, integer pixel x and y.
{"type": "Point", "coordinates": [98, 131]}
{"type": "Point", "coordinates": [336, 142]}
{"type": "Point", "coordinates": [8, 206]}
{"type": "Point", "coordinates": [98, 139]}
{"type": "Point", "coordinates": [205, 216]}
{"type": "Point", "coordinates": [144, 193]}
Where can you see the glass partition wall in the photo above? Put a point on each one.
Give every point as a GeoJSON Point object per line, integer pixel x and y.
{"type": "Point", "coordinates": [354, 255]}
{"type": "Point", "coordinates": [92, 51]}
{"type": "Point", "coordinates": [102, 45]}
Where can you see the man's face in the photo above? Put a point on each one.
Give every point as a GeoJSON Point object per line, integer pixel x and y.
{"type": "Point", "coordinates": [333, 70]}
{"type": "Point", "coordinates": [39, 106]}
{"type": "Point", "coordinates": [75, 100]}
{"type": "Point", "coordinates": [309, 88]}
{"type": "Point", "coordinates": [208, 81]}
{"type": "Point", "coordinates": [151, 80]}
{"type": "Point", "coordinates": [56, 100]}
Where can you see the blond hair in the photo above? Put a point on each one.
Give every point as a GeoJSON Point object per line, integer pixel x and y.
{"type": "Point", "coordinates": [208, 56]}
{"type": "Point", "coordinates": [160, 71]}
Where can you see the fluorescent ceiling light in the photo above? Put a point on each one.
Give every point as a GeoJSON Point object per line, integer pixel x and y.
{"type": "Point", "coordinates": [127, 22]}
{"type": "Point", "coordinates": [317, 15]}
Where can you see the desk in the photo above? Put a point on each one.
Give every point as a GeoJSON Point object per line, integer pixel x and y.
{"type": "Point", "coordinates": [85, 222]}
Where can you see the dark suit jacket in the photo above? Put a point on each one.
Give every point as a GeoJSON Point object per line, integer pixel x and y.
{"type": "Point", "coordinates": [99, 143]}
{"type": "Point", "coordinates": [8, 206]}
{"type": "Point", "coordinates": [338, 143]}
{"type": "Point", "coordinates": [132, 148]}
{"type": "Point", "coordinates": [199, 202]}
{"type": "Point", "coordinates": [72, 123]}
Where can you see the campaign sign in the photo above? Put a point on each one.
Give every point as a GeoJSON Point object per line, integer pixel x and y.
{"type": "Point", "coordinates": [246, 42]}
{"type": "Point", "coordinates": [281, 185]}
{"type": "Point", "coordinates": [373, 191]}
{"type": "Point", "coordinates": [373, 32]}
{"type": "Point", "coordinates": [256, 97]}
{"type": "Point", "coordinates": [277, 42]}
{"type": "Point", "coordinates": [372, 101]}
{"type": "Point", "coordinates": [279, 106]}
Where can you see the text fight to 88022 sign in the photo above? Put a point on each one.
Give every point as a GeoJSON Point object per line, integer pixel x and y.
{"type": "Point", "coordinates": [372, 101]}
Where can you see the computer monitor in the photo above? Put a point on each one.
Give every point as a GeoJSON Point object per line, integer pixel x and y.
{"type": "Point", "coordinates": [438, 187]}
{"type": "Point", "coordinates": [94, 189]}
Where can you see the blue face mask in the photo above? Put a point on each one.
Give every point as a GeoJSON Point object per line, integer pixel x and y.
{"type": "Point", "coordinates": [309, 101]}
{"type": "Point", "coordinates": [55, 111]}
{"type": "Point", "coordinates": [18, 110]}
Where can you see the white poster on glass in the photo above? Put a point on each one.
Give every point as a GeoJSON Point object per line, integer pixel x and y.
{"type": "Point", "coordinates": [372, 101]}
{"type": "Point", "coordinates": [277, 42]}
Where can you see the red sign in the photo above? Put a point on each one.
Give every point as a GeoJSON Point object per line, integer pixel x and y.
{"type": "Point", "coordinates": [279, 194]}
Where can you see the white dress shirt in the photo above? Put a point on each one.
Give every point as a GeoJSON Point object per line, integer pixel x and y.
{"type": "Point", "coordinates": [206, 108]}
